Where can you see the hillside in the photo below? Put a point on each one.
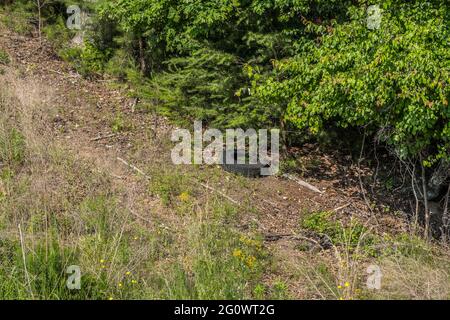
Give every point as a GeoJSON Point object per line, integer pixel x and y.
{"type": "Point", "coordinates": [86, 179]}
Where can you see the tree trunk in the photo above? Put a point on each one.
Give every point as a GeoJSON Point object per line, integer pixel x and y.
{"type": "Point", "coordinates": [446, 217]}
{"type": "Point", "coordinates": [142, 62]}
{"type": "Point", "coordinates": [284, 142]}
{"type": "Point", "coordinates": [425, 201]}
{"type": "Point", "coordinates": [39, 21]}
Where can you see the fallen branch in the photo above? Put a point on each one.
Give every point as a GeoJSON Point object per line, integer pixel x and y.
{"type": "Point", "coordinates": [103, 137]}
{"type": "Point", "coordinates": [140, 217]}
{"type": "Point", "coordinates": [133, 167]}
{"type": "Point", "coordinates": [295, 237]}
{"type": "Point", "coordinates": [302, 183]}
{"type": "Point", "coordinates": [361, 185]}
{"type": "Point", "coordinates": [220, 193]}
{"type": "Point", "coordinates": [342, 207]}
{"type": "Point", "coordinates": [67, 75]}
{"type": "Point", "coordinates": [445, 215]}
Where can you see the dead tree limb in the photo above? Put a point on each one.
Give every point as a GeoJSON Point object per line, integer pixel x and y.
{"type": "Point", "coordinates": [103, 137]}
{"type": "Point", "coordinates": [133, 167]}
{"type": "Point", "coordinates": [302, 183]}
{"type": "Point", "coordinates": [220, 193]}
{"type": "Point", "coordinates": [446, 216]}
{"type": "Point", "coordinates": [425, 200]}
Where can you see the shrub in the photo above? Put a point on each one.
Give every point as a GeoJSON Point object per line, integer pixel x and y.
{"type": "Point", "coordinates": [355, 77]}
{"type": "Point", "coordinates": [350, 235]}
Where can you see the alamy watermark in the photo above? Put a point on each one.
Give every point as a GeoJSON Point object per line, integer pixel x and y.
{"type": "Point", "coordinates": [78, 19]}
{"type": "Point", "coordinates": [374, 278]}
{"type": "Point", "coordinates": [74, 280]}
{"type": "Point", "coordinates": [228, 148]}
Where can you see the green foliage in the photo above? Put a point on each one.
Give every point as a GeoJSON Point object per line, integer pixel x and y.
{"type": "Point", "coordinates": [58, 33]}
{"type": "Point", "coordinates": [200, 86]}
{"type": "Point", "coordinates": [171, 187]}
{"type": "Point", "coordinates": [257, 64]}
{"type": "Point", "coordinates": [223, 264]}
{"type": "Point", "coordinates": [18, 16]}
{"type": "Point", "coordinates": [88, 60]}
{"type": "Point", "coordinates": [119, 123]}
{"type": "Point", "coordinates": [410, 246]}
{"type": "Point", "coordinates": [121, 65]}
{"type": "Point", "coordinates": [4, 57]}
{"type": "Point", "coordinates": [352, 235]}
{"type": "Point", "coordinates": [319, 222]}
{"type": "Point", "coordinates": [204, 56]}
{"type": "Point", "coordinates": [392, 81]}
{"type": "Point", "coordinates": [302, 65]}
{"type": "Point", "coordinates": [12, 146]}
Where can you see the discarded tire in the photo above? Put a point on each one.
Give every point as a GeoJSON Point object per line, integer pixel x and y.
{"type": "Point", "coordinates": [247, 170]}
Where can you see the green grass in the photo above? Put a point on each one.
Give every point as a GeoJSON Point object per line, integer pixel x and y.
{"type": "Point", "coordinates": [220, 264]}
{"type": "Point", "coordinates": [18, 16]}
{"type": "Point", "coordinates": [12, 146]}
{"type": "Point", "coordinates": [4, 58]}
{"type": "Point", "coordinates": [120, 124]}
{"type": "Point", "coordinates": [71, 213]}
{"type": "Point", "coordinates": [172, 186]}
{"type": "Point", "coordinates": [351, 235]}
{"type": "Point", "coordinates": [46, 268]}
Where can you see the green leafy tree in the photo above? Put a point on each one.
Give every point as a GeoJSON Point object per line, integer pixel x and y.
{"type": "Point", "coordinates": [393, 81]}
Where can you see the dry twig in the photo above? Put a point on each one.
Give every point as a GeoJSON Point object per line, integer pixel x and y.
{"type": "Point", "coordinates": [302, 183]}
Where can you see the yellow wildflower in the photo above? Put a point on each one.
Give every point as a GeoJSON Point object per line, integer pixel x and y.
{"type": "Point", "coordinates": [128, 273]}
{"type": "Point", "coordinates": [237, 253]}
{"type": "Point", "coordinates": [251, 261]}
{"type": "Point", "coordinates": [347, 284]}
{"type": "Point", "coordinates": [184, 197]}
{"type": "Point", "coordinates": [133, 281]}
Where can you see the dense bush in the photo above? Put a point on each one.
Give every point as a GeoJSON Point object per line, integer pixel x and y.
{"type": "Point", "coordinates": [200, 54]}
{"type": "Point", "coordinates": [299, 64]}
{"type": "Point", "coordinates": [392, 81]}
{"type": "Point", "coordinates": [305, 65]}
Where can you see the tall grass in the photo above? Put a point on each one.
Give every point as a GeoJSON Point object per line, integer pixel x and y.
{"type": "Point", "coordinates": [71, 212]}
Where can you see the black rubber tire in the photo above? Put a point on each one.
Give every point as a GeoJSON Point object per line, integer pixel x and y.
{"type": "Point", "coordinates": [247, 170]}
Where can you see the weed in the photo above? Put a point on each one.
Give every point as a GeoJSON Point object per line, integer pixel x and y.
{"type": "Point", "coordinates": [322, 223]}
{"type": "Point", "coordinates": [172, 187]}
{"type": "Point", "coordinates": [12, 146]}
{"type": "Point", "coordinates": [214, 270]}
{"type": "Point", "coordinates": [120, 124]}
{"type": "Point", "coordinates": [4, 57]}
{"type": "Point", "coordinates": [18, 17]}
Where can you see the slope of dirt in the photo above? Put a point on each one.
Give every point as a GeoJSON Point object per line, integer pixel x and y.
{"type": "Point", "coordinates": [81, 117]}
